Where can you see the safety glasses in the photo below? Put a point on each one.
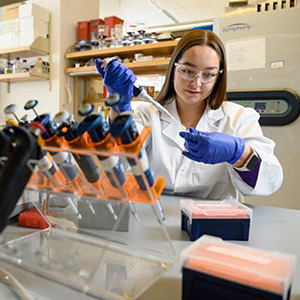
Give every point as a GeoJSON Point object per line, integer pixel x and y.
{"type": "Point", "coordinates": [189, 73]}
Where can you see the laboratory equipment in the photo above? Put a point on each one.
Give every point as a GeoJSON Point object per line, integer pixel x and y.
{"type": "Point", "coordinates": [214, 269]}
{"type": "Point", "coordinates": [11, 288]}
{"type": "Point", "coordinates": [104, 263]}
{"type": "Point", "coordinates": [98, 130]}
{"type": "Point", "coordinates": [17, 66]}
{"type": "Point", "coordinates": [264, 73]}
{"type": "Point", "coordinates": [62, 159]}
{"type": "Point", "coordinates": [226, 219]}
{"type": "Point", "coordinates": [68, 130]}
{"type": "Point", "coordinates": [11, 109]}
{"type": "Point", "coordinates": [123, 127]}
{"type": "Point", "coordinates": [16, 171]}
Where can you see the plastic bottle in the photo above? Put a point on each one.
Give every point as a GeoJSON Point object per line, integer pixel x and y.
{"type": "Point", "coordinates": [25, 67]}
{"type": "Point", "coordinates": [38, 68]}
{"type": "Point", "coordinates": [17, 67]}
{"type": "Point", "coordinates": [8, 68]}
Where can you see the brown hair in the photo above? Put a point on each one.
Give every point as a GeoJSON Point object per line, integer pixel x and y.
{"type": "Point", "coordinates": [192, 38]}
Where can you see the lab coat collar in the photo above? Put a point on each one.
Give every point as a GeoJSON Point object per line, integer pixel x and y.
{"type": "Point", "coordinates": [208, 122]}
{"type": "Point", "coordinates": [214, 116]}
{"type": "Point", "coordinates": [170, 128]}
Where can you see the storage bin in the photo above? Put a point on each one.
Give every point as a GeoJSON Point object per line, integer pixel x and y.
{"type": "Point", "coordinates": [229, 220]}
{"type": "Point", "coordinates": [214, 269]}
{"type": "Point", "coordinates": [33, 10]}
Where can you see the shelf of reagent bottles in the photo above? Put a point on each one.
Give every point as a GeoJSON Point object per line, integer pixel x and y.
{"type": "Point", "coordinates": [24, 77]}
{"type": "Point", "coordinates": [139, 67]}
{"type": "Point", "coordinates": [39, 47]}
{"type": "Point", "coordinates": [156, 49]}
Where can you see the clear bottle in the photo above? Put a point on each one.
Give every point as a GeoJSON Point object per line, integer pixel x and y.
{"type": "Point", "coordinates": [25, 67]}
{"type": "Point", "coordinates": [38, 67]}
{"type": "Point", "coordinates": [8, 68]}
{"type": "Point", "coordinates": [17, 67]}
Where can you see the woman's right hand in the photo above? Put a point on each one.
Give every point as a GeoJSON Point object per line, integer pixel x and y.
{"type": "Point", "coordinates": [118, 79]}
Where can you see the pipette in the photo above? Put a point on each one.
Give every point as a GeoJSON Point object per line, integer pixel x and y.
{"type": "Point", "coordinates": [124, 127]}
{"type": "Point", "coordinates": [68, 129]}
{"type": "Point", "coordinates": [99, 131]}
{"type": "Point", "coordinates": [139, 92]}
{"type": "Point", "coordinates": [62, 159]}
{"type": "Point", "coordinates": [11, 110]}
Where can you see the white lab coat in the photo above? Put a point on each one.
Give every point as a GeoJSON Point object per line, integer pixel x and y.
{"type": "Point", "coordinates": [205, 181]}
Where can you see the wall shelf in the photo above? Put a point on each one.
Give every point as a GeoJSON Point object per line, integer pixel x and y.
{"type": "Point", "coordinates": [140, 67]}
{"type": "Point", "coordinates": [83, 76]}
{"type": "Point", "coordinates": [23, 77]}
{"type": "Point", "coordinates": [39, 47]}
{"type": "Point", "coordinates": [157, 49]}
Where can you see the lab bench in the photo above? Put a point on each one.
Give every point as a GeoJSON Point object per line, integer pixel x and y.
{"type": "Point", "coordinates": [273, 229]}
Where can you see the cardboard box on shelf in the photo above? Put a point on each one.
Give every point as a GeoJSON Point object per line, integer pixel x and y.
{"type": "Point", "coordinates": [11, 11]}
{"type": "Point", "coordinates": [30, 9]}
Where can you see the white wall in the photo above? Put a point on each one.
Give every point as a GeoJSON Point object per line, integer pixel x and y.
{"type": "Point", "coordinates": [133, 10]}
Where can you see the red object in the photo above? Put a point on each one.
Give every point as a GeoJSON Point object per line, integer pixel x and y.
{"type": "Point", "coordinates": [112, 21]}
{"type": "Point", "coordinates": [94, 24]}
{"type": "Point", "coordinates": [83, 30]}
{"type": "Point", "coordinates": [33, 219]}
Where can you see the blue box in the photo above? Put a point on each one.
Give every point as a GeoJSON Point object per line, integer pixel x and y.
{"type": "Point", "coordinates": [229, 220]}
{"type": "Point", "coordinates": [214, 269]}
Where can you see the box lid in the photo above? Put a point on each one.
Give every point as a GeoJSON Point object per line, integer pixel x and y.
{"type": "Point", "coordinates": [225, 209]}
{"type": "Point", "coordinates": [265, 270]}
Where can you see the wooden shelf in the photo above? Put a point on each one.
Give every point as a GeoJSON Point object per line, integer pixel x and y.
{"type": "Point", "coordinates": [157, 49]}
{"type": "Point", "coordinates": [39, 47]}
{"type": "Point", "coordinates": [140, 67]}
{"type": "Point", "coordinates": [23, 77]}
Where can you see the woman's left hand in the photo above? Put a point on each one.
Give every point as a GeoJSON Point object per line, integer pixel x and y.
{"type": "Point", "coordinates": [212, 147]}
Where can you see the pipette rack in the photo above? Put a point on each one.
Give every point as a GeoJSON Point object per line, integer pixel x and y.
{"type": "Point", "coordinates": [108, 262]}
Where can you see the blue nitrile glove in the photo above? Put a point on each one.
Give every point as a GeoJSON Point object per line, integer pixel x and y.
{"type": "Point", "coordinates": [212, 147]}
{"type": "Point", "coordinates": [118, 79]}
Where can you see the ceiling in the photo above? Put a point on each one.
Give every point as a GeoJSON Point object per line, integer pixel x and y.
{"type": "Point", "coordinates": [191, 10]}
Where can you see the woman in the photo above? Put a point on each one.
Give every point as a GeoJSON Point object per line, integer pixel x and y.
{"type": "Point", "coordinates": [216, 148]}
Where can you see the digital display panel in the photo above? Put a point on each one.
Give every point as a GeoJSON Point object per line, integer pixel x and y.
{"type": "Point", "coordinates": [260, 105]}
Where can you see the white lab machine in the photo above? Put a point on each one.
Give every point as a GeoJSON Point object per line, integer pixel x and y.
{"type": "Point", "coordinates": [263, 55]}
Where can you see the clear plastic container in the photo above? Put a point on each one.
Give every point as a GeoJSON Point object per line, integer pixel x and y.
{"type": "Point", "coordinates": [197, 209]}
{"type": "Point", "coordinates": [229, 220]}
{"type": "Point", "coordinates": [259, 269]}
{"type": "Point", "coordinates": [17, 66]}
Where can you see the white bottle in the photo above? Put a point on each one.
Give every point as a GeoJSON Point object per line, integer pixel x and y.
{"type": "Point", "coordinates": [17, 67]}
{"type": "Point", "coordinates": [38, 67]}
